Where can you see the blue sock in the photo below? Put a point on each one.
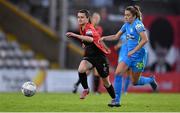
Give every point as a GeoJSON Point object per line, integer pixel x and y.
{"type": "Point", "coordinates": [144, 80]}
{"type": "Point", "coordinates": [127, 81]}
{"type": "Point", "coordinates": [118, 87]}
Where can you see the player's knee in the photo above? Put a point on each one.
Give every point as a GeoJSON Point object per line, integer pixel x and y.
{"type": "Point", "coordinates": [81, 70]}
{"type": "Point", "coordinates": [106, 82]}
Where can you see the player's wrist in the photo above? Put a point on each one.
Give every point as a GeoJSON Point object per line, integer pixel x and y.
{"type": "Point", "coordinates": [103, 38]}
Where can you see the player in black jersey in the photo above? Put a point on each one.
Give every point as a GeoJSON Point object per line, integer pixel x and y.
{"type": "Point", "coordinates": [94, 54]}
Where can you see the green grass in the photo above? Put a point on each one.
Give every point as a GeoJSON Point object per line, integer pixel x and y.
{"type": "Point", "coordinates": [60, 102]}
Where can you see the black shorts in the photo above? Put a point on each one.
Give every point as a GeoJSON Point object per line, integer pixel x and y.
{"type": "Point", "coordinates": [100, 63]}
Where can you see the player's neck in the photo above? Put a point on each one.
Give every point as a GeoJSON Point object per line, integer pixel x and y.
{"type": "Point", "coordinates": [131, 22]}
{"type": "Point", "coordinates": [83, 26]}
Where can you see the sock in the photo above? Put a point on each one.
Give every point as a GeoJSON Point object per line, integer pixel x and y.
{"type": "Point", "coordinates": [83, 80]}
{"type": "Point", "coordinates": [110, 90]}
{"type": "Point", "coordinates": [78, 82]}
{"type": "Point", "coordinates": [118, 87]}
{"type": "Point", "coordinates": [127, 82]}
{"type": "Point", "coordinates": [96, 81]}
{"type": "Point", "coordinates": [144, 80]}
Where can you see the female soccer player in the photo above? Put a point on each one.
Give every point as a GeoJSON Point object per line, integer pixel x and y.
{"type": "Point", "coordinates": [123, 53]}
{"type": "Point", "coordinates": [136, 39]}
{"type": "Point", "coordinates": [95, 19]}
{"type": "Point", "coordinates": [94, 54]}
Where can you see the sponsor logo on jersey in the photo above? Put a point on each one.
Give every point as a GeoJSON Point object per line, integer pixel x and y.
{"type": "Point", "coordinates": [130, 37]}
{"type": "Point", "coordinates": [89, 32]}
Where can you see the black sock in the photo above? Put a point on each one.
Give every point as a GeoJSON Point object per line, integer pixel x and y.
{"type": "Point", "coordinates": [83, 80]}
{"type": "Point", "coordinates": [78, 82]}
{"type": "Point", "coordinates": [110, 90]}
{"type": "Point", "coordinates": [96, 82]}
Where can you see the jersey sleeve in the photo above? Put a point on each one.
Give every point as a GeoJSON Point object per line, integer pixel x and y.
{"type": "Point", "coordinates": [139, 27]}
{"type": "Point", "coordinates": [123, 28]}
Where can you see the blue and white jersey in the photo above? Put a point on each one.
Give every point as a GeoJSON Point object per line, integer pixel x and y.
{"type": "Point", "coordinates": [133, 37]}
{"type": "Point", "coordinates": [123, 50]}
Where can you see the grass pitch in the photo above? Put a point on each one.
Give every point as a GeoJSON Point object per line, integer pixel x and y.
{"type": "Point", "coordinates": [66, 102]}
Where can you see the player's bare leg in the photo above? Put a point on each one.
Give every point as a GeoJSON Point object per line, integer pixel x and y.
{"type": "Point", "coordinates": [83, 67]}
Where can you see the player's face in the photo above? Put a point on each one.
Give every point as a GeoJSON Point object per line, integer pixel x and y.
{"type": "Point", "coordinates": [82, 19]}
{"type": "Point", "coordinates": [125, 19]}
{"type": "Point", "coordinates": [128, 17]}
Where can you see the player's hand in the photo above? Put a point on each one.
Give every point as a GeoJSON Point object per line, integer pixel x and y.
{"type": "Point", "coordinates": [108, 50]}
{"type": "Point", "coordinates": [70, 34]}
{"type": "Point", "coordinates": [130, 53]}
{"type": "Point", "coordinates": [83, 46]}
{"type": "Point", "coordinates": [116, 48]}
{"type": "Point", "coordinates": [101, 39]}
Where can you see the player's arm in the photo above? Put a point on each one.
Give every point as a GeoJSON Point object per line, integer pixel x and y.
{"type": "Point", "coordinates": [81, 37]}
{"type": "Point", "coordinates": [116, 36]}
{"type": "Point", "coordinates": [112, 37]}
{"type": "Point", "coordinates": [144, 40]}
{"type": "Point", "coordinates": [118, 45]}
{"type": "Point", "coordinates": [106, 47]}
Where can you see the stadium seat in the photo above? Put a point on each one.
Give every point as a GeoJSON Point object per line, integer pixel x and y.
{"type": "Point", "coordinates": [13, 57]}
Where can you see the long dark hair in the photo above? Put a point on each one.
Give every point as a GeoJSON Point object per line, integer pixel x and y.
{"type": "Point", "coordinates": [135, 11]}
{"type": "Point", "coordinates": [87, 13]}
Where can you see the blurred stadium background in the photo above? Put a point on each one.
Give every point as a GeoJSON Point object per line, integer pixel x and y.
{"type": "Point", "coordinates": [33, 45]}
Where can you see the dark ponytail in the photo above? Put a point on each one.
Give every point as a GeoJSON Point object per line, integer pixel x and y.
{"type": "Point", "coordinates": [139, 14]}
{"type": "Point", "coordinates": [135, 10]}
{"type": "Point", "coordinates": [87, 13]}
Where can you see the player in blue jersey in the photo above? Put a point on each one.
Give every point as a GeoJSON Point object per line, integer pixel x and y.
{"type": "Point", "coordinates": [136, 39]}
{"type": "Point", "coordinates": [122, 54]}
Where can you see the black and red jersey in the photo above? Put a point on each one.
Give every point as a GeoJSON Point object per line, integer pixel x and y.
{"type": "Point", "coordinates": [99, 30]}
{"type": "Point", "coordinates": [95, 47]}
